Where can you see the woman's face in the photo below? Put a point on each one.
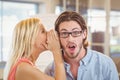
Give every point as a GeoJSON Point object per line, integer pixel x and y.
{"type": "Point", "coordinates": [41, 39]}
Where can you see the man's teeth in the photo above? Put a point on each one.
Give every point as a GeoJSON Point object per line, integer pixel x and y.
{"type": "Point", "coordinates": [71, 46]}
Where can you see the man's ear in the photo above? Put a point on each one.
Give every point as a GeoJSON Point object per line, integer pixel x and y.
{"type": "Point", "coordinates": [84, 34]}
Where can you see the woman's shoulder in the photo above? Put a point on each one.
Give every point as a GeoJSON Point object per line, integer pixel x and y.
{"type": "Point", "coordinates": [24, 69]}
{"type": "Point", "coordinates": [24, 65]}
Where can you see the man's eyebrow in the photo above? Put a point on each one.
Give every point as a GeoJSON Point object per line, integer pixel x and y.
{"type": "Point", "coordinates": [66, 29]}
{"type": "Point", "coordinates": [75, 28]}
{"type": "Point", "coordinates": [63, 30]}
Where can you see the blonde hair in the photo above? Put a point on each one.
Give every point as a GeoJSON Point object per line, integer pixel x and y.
{"type": "Point", "coordinates": [24, 35]}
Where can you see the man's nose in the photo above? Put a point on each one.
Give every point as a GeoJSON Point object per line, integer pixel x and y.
{"type": "Point", "coordinates": [70, 38]}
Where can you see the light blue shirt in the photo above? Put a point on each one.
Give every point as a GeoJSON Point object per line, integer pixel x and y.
{"type": "Point", "coordinates": [94, 66]}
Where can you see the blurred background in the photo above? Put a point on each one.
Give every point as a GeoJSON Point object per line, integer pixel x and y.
{"type": "Point", "coordinates": [102, 17]}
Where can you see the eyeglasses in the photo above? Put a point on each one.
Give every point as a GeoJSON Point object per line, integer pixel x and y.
{"type": "Point", "coordinates": [66, 34]}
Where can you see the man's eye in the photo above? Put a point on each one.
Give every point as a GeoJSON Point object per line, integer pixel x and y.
{"type": "Point", "coordinates": [64, 33]}
{"type": "Point", "coordinates": [76, 32]}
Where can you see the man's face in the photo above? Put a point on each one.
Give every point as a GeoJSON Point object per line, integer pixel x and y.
{"type": "Point", "coordinates": [71, 38]}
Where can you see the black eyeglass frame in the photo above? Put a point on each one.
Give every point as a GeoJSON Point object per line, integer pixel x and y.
{"type": "Point", "coordinates": [70, 33]}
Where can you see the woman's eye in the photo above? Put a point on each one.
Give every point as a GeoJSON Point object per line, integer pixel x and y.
{"type": "Point", "coordinates": [43, 31]}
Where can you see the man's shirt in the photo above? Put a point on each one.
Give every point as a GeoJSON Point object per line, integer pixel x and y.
{"type": "Point", "coordinates": [94, 66]}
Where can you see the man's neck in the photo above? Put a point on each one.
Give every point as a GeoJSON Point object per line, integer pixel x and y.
{"type": "Point", "coordinates": [75, 63]}
{"type": "Point", "coordinates": [77, 59]}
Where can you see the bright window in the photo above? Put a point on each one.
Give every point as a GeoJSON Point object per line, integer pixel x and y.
{"type": "Point", "coordinates": [115, 34]}
{"type": "Point", "coordinates": [10, 14]}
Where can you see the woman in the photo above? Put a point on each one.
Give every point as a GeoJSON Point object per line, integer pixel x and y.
{"type": "Point", "coordinates": [29, 41]}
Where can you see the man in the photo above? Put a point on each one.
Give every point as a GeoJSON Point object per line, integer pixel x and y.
{"type": "Point", "coordinates": [80, 62]}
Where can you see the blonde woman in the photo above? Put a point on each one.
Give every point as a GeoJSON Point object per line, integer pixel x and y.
{"type": "Point", "coordinates": [30, 39]}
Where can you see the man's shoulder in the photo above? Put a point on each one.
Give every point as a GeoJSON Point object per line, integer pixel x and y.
{"type": "Point", "coordinates": [101, 56]}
